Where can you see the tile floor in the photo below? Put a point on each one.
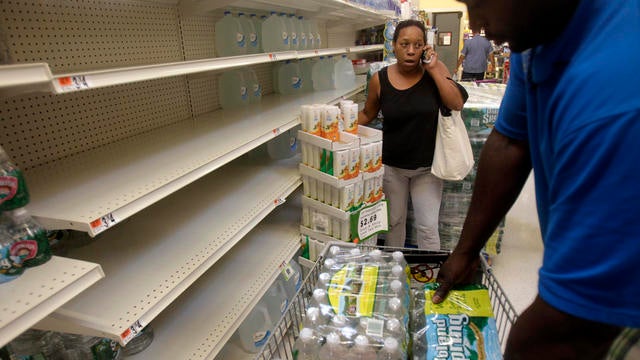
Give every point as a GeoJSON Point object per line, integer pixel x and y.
{"type": "Point", "coordinates": [516, 267]}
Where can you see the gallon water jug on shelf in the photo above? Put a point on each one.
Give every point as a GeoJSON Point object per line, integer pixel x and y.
{"type": "Point", "coordinates": [254, 87]}
{"type": "Point", "coordinates": [344, 75]}
{"type": "Point", "coordinates": [322, 74]}
{"type": "Point", "coordinates": [306, 68]}
{"type": "Point", "coordinates": [274, 34]}
{"type": "Point", "coordinates": [230, 37]}
{"type": "Point", "coordinates": [250, 35]}
{"type": "Point", "coordinates": [232, 89]}
{"type": "Point", "coordinates": [289, 78]}
{"type": "Point", "coordinates": [257, 24]}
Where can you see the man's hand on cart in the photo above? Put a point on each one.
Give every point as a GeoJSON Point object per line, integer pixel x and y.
{"type": "Point", "coordinates": [460, 268]}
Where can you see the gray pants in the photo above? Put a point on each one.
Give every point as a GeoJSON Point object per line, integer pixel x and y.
{"type": "Point", "coordinates": [426, 193]}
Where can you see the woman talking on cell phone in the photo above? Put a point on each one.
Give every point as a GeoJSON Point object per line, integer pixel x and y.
{"type": "Point", "coordinates": [410, 94]}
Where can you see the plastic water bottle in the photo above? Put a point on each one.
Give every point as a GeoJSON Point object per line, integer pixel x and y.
{"type": "Point", "coordinates": [362, 350]}
{"type": "Point", "coordinates": [302, 34]}
{"type": "Point", "coordinates": [419, 347]}
{"type": "Point", "coordinates": [80, 346]}
{"type": "Point", "coordinates": [333, 349]}
{"type": "Point", "coordinates": [30, 238]}
{"type": "Point", "coordinates": [254, 88]}
{"type": "Point", "coordinates": [306, 346]}
{"type": "Point", "coordinates": [274, 34]}
{"type": "Point", "coordinates": [13, 187]}
{"type": "Point", "coordinates": [250, 35]}
{"type": "Point", "coordinates": [140, 342]}
{"type": "Point", "coordinates": [391, 350]}
{"type": "Point", "coordinates": [232, 89]}
{"type": "Point", "coordinates": [306, 67]}
{"type": "Point", "coordinates": [313, 318]}
{"type": "Point", "coordinates": [289, 78]}
{"type": "Point", "coordinates": [256, 329]}
{"type": "Point", "coordinates": [395, 328]}
{"type": "Point", "coordinates": [257, 24]}
{"type": "Point", "coordinates": [322, 75]}
{"type": "Point", "coordinates": [10, 264]}
{"type": "Point", "coordinates": [344, 75]}
{"type": "Point", "coordinates": [230, 38]}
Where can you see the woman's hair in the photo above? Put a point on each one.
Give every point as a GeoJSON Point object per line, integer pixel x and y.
{"type": "Point", "coordinates": [406, 23]}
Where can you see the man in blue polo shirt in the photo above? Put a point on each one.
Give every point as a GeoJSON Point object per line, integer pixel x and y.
{"type": "Point", "coordinates": [571, 112]}
{"type": "Point", "coordinates": [475, 54]}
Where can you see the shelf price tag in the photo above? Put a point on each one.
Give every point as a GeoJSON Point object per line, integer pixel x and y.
{"type": "Point", "coordinates": [103, 223]}
{"type": "Point", "coordinates": [273, 57]}
{"type": "Point", "coordinates": [131, 332]}
{"type": "Point", "coordinates": [276, 131]}
{"type": "Point", "coordinates": [369, 221]}
{"type": "Point", "coordinates": [279, 201]}
{"type": "Point", "coordinates": [72, 83]}
{"type": "Point", "coordinates": [287, 270]}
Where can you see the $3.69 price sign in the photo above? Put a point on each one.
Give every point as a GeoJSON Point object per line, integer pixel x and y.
{"type": "Point", "coordinates": [370, 220]}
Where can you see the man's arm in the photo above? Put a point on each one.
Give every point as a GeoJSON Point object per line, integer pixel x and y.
{"type": "Point", "coordinates": [503, 168]}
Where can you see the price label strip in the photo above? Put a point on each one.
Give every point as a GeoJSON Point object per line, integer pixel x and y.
{"type": "Point", "coordinates": [101, 224]}
{"type": "Point", "coordinates": [132, 331]}
{"type": "Point", "coordinates": [287, 270]}
{"type": "Point", "coordinates": [72, 83]}
{"type": "Point", "coordinates": [369, 221]}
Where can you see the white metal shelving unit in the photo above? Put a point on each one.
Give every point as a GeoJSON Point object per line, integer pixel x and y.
{"type": "Point", "coordinates": [203, 321]}
{"type": "Point", "coordinates": [37, 77]}
{"type": "Point", "coordinates": [127, 176]}
{"type": "Point", "coordinates": [40, 290]}
{"type": "Point", "coordinates": [110, 106]}
{"type": "Point", "coordinates": [152, 258]}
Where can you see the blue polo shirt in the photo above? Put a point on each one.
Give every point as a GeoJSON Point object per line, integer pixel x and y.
{"type": "Point", "coordinates": [476, 53]}
{"type": "Point", "coordinates": [577, 102]}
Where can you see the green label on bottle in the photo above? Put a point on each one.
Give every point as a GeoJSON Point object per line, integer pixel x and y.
{"type": "Point", "coordinates": [34, 249]}
{"type": "Point", "coordinates": [105, 349]}
{"type": "Point", "coordinates": [13, 190]}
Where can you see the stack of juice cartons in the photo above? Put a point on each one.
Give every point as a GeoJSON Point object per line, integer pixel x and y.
{"type": "Point", "coordinates": [341, 172]}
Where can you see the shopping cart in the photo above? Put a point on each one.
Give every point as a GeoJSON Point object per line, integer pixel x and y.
{"type": "Point", "coordinates": [424, 266]}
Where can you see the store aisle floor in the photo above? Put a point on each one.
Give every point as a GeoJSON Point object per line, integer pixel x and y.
{"type": "Point", "coordinates": [516, 267]}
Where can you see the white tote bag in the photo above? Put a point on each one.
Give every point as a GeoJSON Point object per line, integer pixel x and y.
{"type": "Point", "coordinates": [453, 157]}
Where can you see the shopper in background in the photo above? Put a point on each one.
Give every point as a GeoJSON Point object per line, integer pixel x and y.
{"type": "Point", "coordinates": [571, 112]}
{"type": "Point", "coordinates": [410, 94]}
{"type": "Point", "coordinates": [476, 52]}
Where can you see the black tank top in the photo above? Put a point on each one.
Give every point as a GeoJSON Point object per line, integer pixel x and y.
{"type": "Point", "coordinates": [410, 122]}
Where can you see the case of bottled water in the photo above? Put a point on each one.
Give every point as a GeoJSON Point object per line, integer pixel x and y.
{"type": "Point", "coordinates": [230, 37]}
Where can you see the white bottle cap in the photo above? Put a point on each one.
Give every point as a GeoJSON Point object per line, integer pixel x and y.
{"type": "Point", "coordinates": [391, 344]}
{"type": "Point", "coordinates": [340, 321]}
{"type": "Point", "coordinates": [329, 263]}
{"type": "Point", "coordinates": [396, 285]}
{"type": "Point", "coordinates": [397, 270]}
{"type": "Point", "coordinates": [306, 334]}
{"type": "Point", "coordinates": [355, 251]}
{"type": "Point", "coordinates": [393, 324]}
{"type": "Point", "coordinates": [361, 341]}
{"type": "Point", "coordinates": [395, 303]}
{"type": "Point", "coordinates": [376, 254]}
{"type": "Point", "coordinates": [320, 295]}
{"type": "Point", "coordinates": [324, 278]}
{"type": "Point", "coordinates": [313, 312]}
{"type": "Point", "coordinates": [333, 338]}
{"type": "Point", "coordinates": [398, 256]}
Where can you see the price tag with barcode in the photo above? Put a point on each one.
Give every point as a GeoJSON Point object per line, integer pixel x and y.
{"type": "Point", "coordinates": [370, 221]}
{"type": "Point", "coordinates": [131, 332]}
{"type": "Point", "coordinates": [103, 223]}
{"type": "Point", "coordinates": [287, 270]}
{"type": "Point", "coordinates": [72, 83]}
{"type": "Point", "coordinates": [273, 57]}
{"type": "Point", "coordinates": [375, 327]}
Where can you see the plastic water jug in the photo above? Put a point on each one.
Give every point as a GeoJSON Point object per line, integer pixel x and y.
{"type": "Point", "coordinates": [256, 328]}
{"type": "Point", "coordinates": [313, 29]}
{"type": "Point", "coordinates": [288, 25]}
{"type": "Point", "coordinates": [344, 75]}
{"type": "Point", "coordinates": [257, 24]}
{"type": "Point", "coordinates": [230, 39]}
{"type": "Point", "coordinates": [254, 88]}
{"type": "Point", "coordinates": [311, 38]}
{"type": "Point", "coordinates": [289, 78]}
{"type": "Point", "coordinates": [274, 34]}
{"type": "Point", "coordinates": [251, 37]}
{"type": "Point", "coordinates": [276, 300]}
{"type": "Point", "coordinates": [283, 146]}
{"type": "Point", "coordinates": [322, 74]}
{"type": "Point", "coordinates": [294, 33]}
{"type": "Point", "coordinates": [306, 67]}
{"type": "Point", "coordinates": [302, 34]}
{"type": "Point", "coordinates": [232, 89]}
{"type": "Point", "coordinates": [292, 277]}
